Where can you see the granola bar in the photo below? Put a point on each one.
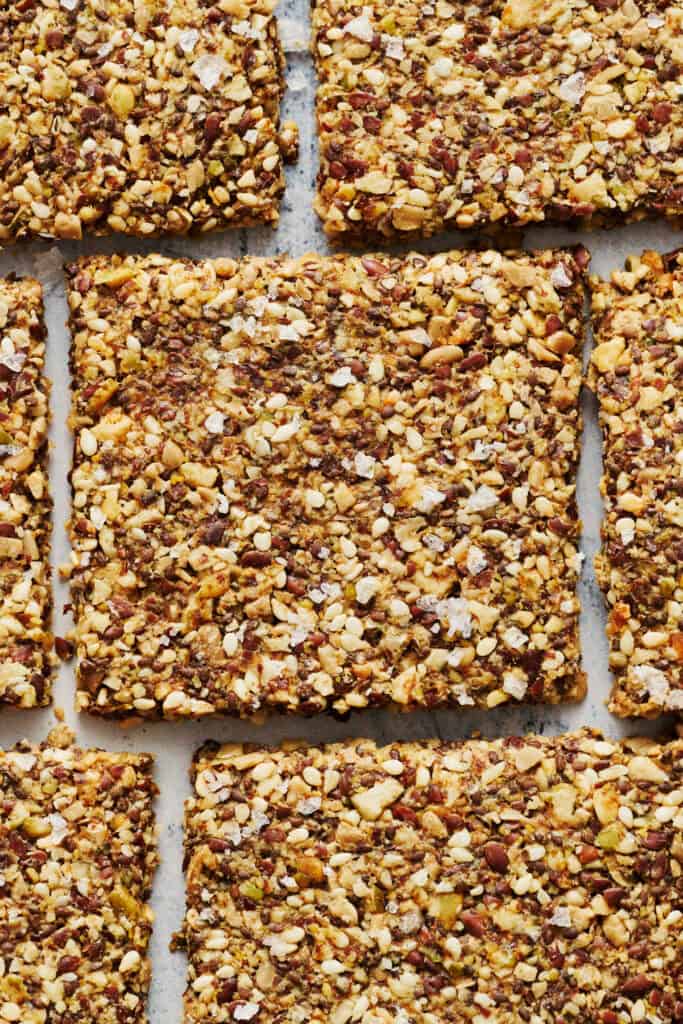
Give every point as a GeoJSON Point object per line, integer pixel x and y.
{"type": "Point", "coordinates": [77, 856]}
{"type": "Point", "coordinates": [637, 374]}
{"type": "Point", "coordinates": [139, 117]}
{"type": "Point", "coordinates": [25, 597]}
{"type": "Point", "coordinates": [454, 115]}
{"type": "Point", "coordinates": [325, 483]}
{"type": "Point", "coordinates": [516, 880]}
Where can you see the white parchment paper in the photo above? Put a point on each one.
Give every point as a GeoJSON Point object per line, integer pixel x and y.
{"type": "Point", "coordinates": [173, 743]}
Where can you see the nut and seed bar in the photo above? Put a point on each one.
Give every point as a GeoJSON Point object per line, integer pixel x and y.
{"type": "Point", "coordinates": [325, 483]}
{"type": "Point", "coordinates": [77, 857]}
{"type": "Point", "coordinates": [517, 880]}
{"type": "Point", "coordinates": [25, 596]}
{"type": "Point", "coordinates": [139, 117]}
{"type": "Point", "coordinates": [455, 115]}
{"type": "Point", "coordinates": [637, 374]}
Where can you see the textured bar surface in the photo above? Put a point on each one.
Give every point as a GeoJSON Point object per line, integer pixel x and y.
{"type": "Point", "coordinates": [77, 857]}
{"type": "Point", "coordinates": [637, 374]}
{"type": "Point", "coordinates": [325, 482]}
{"type": "Point", "coordinates": [529, 880]}
{"type": "Point", "coordinates": [139, 117]}
{"type": "Point", "coordinates": [25, 597]}
{"type": "Point", "coordinates": [454, 115]}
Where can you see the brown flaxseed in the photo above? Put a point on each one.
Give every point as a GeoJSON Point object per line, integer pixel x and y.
{"type": "Point", "coordinates": [142, 119]}
{"type": "Point", "coordinates": [25, 599]}
{"type": "Point", "coordinates": [453, 115]}
{"type": "Point", "coordinates": [77, 856]}
{"type": "Point", "coordinates": [525, 881]}
{"type": "Point", "coordinates": [325, 482]}
{"type": "Point", "coordinates": [637, 374]}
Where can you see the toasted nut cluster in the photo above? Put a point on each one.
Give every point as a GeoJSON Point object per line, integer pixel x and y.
{"type": "Point", "coordinates": [637, 374]}
{"type": "Point", "coordinates": [25, 642]}
{"type": "Point", "coordinates": [520, 880]}
{"type": "Point", "coordinates": [454, 115]}
{"type": "Point", "coordinates": [325, 482]}
{"type": "Point", "coordinates": [77, 856]}
{"type": "Point", "coordinates": [139, 117]}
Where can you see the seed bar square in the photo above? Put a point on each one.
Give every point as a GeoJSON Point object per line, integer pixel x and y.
{"type": "Point", "coordinates": [141, 118]}
{"type": "Point", "coordinates": [453, 115]}
{"type": "Point", "coordinates": [77, 858]}
{"type": "Point", "coordinates": [25, 505]}
{"type": "Point", "coordinates": [325, 483]}
{"type": "Point", "coordinates": [513, 880]}
{"type": "Point", "coordinates": [637, 375]}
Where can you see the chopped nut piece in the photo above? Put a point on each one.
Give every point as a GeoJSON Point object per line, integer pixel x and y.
{"type": "Point", "coordinates": [140, 117]}
{"type": "Point", "coordinates": [263, 520]}
{"type": "Point", "coordinates": [637, 374]}
{"type": "Point", "coordinates": [316, 912]}
{"type": "Point", "coordinates": [78, 854]}
{"type": "Point", "coordinates": [453, 115]}
{"type": "Point", "coordinates": [26, 658]}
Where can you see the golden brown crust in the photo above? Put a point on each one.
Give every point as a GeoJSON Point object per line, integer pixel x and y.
{"type": "Point", "coordinates": [326, 483]}
{"type": "Point", "coordinates": [454, 115]}
{"type": "Point", "coordinates": [637, 373]}
{"type": "Point", "coordinates": [519, 880]}
{"type": "Point", "coordinates": [77, 857]}
{"type": "Point", "coordinates": [139, 118]}
{"type": "Point", "coordinates": [25, 597]}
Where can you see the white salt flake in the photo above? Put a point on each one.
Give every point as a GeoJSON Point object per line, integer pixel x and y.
{"type": "Point", "coordinates": [514, 684]}
{"type": "Point", "coordinates": [428, 499]}
{"type": "Point", "coordinates": [515, 638]}
{"type": "Point", "coordinates": [209, 69]}
{"type": "Point", "coordinates": [215, 422]}
{"type": "Point", "coordinates": [579, 40]}
{"type": "Point", "coordinates": [393, 47]}
{"type": "Point", "coordinates": [309, 806]}
{"type": "Point", "coordinates": [456, 613]}
{"type": "Point", "coordinates": [245, 1011]}
{"type": "Point", "coordinates": [245, 29]}
{"type": "Point", "coordinates": [188, 40]}
{"type": "Point", "coordinates": [560, 278]}
{"type": "Point", "coordinates": [364, 465]}
{"type": "Point", "coordinates": [482, 499]}
{"type": "Point", "coordinates": [361, 27]}
{"type": "Point", "coordinates": [476, 560]}
{"type": "Point", "coordinates": [571, 90]}
{"type": "Point", "coordinates": [13, 361]}
{"type": "Point", "coordinates": [653, 681]}
{"type": "Point", "coordinates": [342, 377]}
{"type": "Point", "coordinates": [433, 542]}
{"type": "Point", "coordinates": [561, 917]}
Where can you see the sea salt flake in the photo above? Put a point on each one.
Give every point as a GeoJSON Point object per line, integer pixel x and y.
{"type": "Point", "coordinates": [342, 377]}
{"type": "Point", "coordinates": [561, 917]}
{"type": "Point", "coordinates": [209, 69]}
{"type": "Point", "coordinates": [428, 499]}
{"type": "Point", "coordinates": [560, 277]}
{"type": "Point", "coordinates": [571, 90]}
{"type": "Point", "coordinates": [483, 498]}
{"type": "Point", "coordinates": [361, 27]}
{"type": "Point", "coordinates": [215, 422]}
{"type": "Point", "coordinates": [364, 465]}
{"type": "Point", "coordinates": [188, 40]}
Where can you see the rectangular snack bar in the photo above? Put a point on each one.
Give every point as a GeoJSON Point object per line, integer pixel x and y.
{"type": "Point", "coordinates": [325, 483]}
{"type": "Point", "coordinates": [77, 857]}
{"type": "Point", "coordinates": [521, 881]}
{"type": "Point", "coordinates": [139, 117]}
{"type": "Point", "coordinates": [455, 115]}
{"type": "Point", "coordinates": [637, 374]}
{"type": "Point", "coordinates": [25, 597]}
